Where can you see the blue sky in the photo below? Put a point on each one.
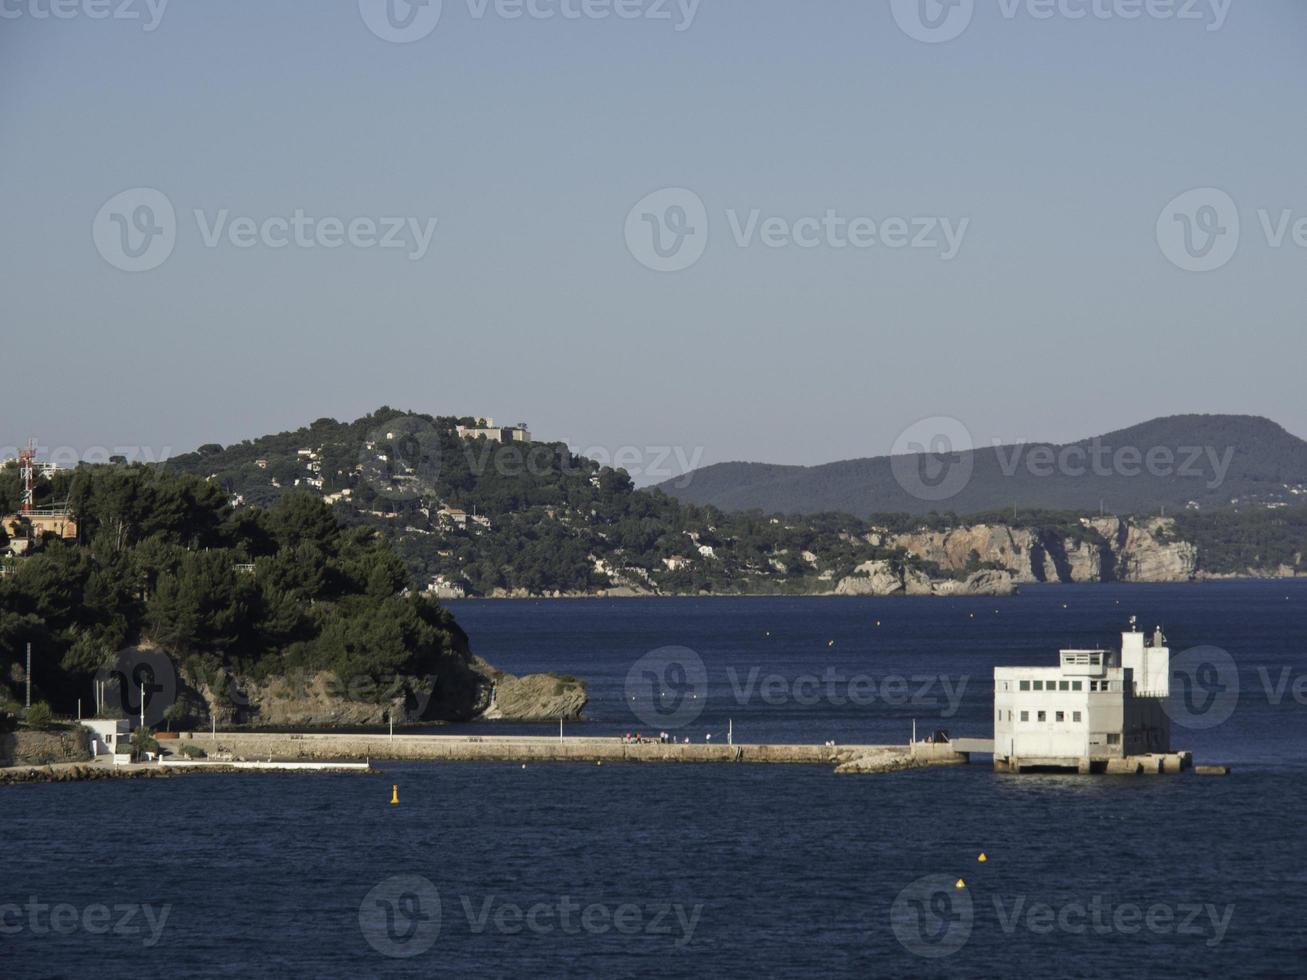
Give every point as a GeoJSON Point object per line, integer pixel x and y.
{"type": "Point", "coordinates": [1053, 143]}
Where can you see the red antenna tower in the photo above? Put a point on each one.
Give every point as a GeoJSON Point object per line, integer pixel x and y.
{"type": "Point", "coordinates": [27, 469]}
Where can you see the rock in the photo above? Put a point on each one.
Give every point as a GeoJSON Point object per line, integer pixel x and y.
{"type": "Point", "coordinates": [871, 578]}
{"type": "Point", "coordinates": [1149, 552]}
{"type": "Point", "coordinates": [536, 697]}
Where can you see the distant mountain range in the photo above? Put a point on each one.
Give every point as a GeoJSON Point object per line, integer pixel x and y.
{"type": "Point", "coordinates": [1202, 462]}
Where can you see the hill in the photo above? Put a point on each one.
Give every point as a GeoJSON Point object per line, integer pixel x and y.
{"type": "Point", "coordinates": [1185, 462]}
{"type": "Point", "coordinates": [478, 516]}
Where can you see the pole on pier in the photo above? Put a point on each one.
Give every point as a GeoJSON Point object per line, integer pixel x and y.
{"type": "Point", "coordinates": [142, 704]}
{"type": "Point", "coordinates": [914, 731]}
{"type": "Point", "coordinates": [79, 711]}
{"type": "Point", "coordinates": [560, 729]}
{"type": "Point", "coordinates": [391, 718]}
{"type": "Point", "coordinates": [213, 726]}
{"type": "Point", "coordinates": [29, 675]}
{"type": "Point", "coordinates": [730, 731]}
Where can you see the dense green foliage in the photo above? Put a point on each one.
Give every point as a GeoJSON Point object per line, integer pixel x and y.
{"type": "Point", "coordinates": [164, 558]}
{"type": "Point", "coordinates": [1232, 543]}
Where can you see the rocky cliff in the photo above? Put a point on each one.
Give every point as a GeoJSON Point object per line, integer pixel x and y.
{"type": "Point", "coordinates": [883, 577]}
{"type": "Point", "coordinates": [1102, 549]}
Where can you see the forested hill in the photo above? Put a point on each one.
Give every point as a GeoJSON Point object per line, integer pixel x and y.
{"type": "Point", "coordinates": [486, 516]}
{"type": "Point", "coordinates": [163, 559]}
{"type": "Point", "coordinates": [1202, 462]}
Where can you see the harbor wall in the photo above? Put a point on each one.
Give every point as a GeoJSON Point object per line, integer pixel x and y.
{"type": "Point", "coordinates": [472, 748]}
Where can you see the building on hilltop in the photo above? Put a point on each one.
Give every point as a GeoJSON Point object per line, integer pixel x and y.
{"type": "Point", "coordinates": [1095, 706]}
{"type": "Point", "coordinates": [485, 428]}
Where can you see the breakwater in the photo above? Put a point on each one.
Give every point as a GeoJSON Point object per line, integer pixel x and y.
{"type": "Point", "coordinates": [506, 748]}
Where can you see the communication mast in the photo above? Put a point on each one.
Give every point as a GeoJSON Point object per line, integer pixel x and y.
{"type": "Point", "coordinates": [27, 470]}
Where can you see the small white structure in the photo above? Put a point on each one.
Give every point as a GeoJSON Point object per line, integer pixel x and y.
{"type": "Point", "coordinates": [1094, 707]}
{"type": "Point", "coordinates": [107, 734]}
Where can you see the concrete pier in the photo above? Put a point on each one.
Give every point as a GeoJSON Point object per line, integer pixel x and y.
{"type": "Point", "coordinates": [239, 746]}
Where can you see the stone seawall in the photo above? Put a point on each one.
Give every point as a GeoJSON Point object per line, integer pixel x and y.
{"type": "Point", "coordinates": [498, 748]}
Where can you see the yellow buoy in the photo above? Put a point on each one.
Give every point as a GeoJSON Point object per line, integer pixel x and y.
{"type": "Point", "coordinates": [960, 884]}
{"type": "Point", "coordinates": [394, 795]}
{"type": "Point", "coordinates": [982, 859]}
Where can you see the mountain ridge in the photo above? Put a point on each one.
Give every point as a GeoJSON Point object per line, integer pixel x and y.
{"type": "Point", "coordinates": [1177, 462]}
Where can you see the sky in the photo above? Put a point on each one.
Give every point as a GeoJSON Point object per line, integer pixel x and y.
{"type": "Point", "coordinates": [683, 232]}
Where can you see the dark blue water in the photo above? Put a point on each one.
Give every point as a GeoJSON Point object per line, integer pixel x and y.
{"type": "Point", "coordinates": [688, 871]}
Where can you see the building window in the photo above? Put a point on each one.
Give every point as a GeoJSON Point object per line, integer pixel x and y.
{"type": "Point", "coordinates": [1025, 685]}
{"type": "Point", "coordinates": [1060, 716]}
{"type": "Point", "coordinates": [1025, 716]}
{"type": "Point", "coordinates": [1076, 685]}
{"type": "Point", "coordinates": [1064, 685]}
{"type": "Point", "coordinates": [1042, 716]}
{"type": "Point", "coordinates": [1113, 738]}
{"type": "Point", "coordinates": [1075, 716]}
{"type": "Point", "coordinates": [1039, 685]}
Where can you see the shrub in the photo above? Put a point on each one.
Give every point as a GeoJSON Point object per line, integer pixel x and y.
{"type": "Point", "coordinates": [38, 716]}
{"type": "Point", "coordinates": [193, 751]}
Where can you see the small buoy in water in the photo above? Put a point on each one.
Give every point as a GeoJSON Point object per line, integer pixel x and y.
{"type": "Point", "coordinates": [973, 615]}
{"type": "Point", "coordinates": [394, 795]}
{"type": "Point", "coordinates": [766, 633]}
{"type": "Point", "coordinates": [830, 643]}
{"type": "Point", "coordinates": [982, 859]}
{"type": "Point", "coordinates": [960, 884]}
{"type": "Point", "coordinates": [878, 622]}
{"type": "Point", "coordinates": [524, 765]}
{"type": "Point", "coordinates": [599, 762]}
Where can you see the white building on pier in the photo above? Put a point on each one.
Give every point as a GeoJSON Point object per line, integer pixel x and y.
{"type": "Point", "coordinates": [1094, 707]}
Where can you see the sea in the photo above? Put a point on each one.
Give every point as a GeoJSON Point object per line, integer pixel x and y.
{"type": "Point", "coordinates": [681, 871]}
